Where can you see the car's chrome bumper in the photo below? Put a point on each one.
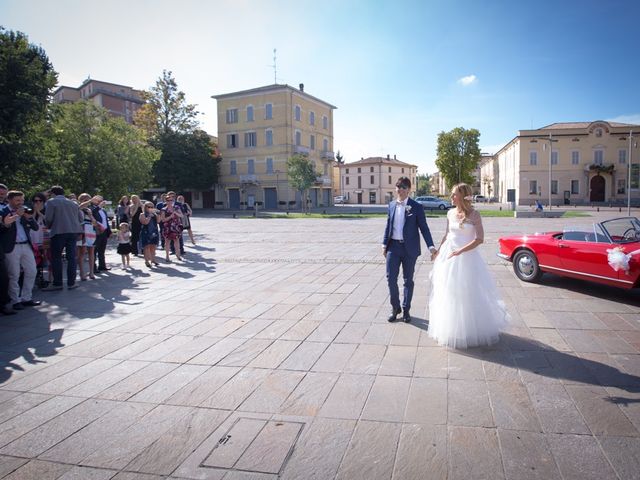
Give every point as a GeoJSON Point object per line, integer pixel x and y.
{"type": "Point", "coordinates": [503, 256]}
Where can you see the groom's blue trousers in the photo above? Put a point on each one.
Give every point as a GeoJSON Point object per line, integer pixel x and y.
{"type": "Point", "coordinates": [397, 255]}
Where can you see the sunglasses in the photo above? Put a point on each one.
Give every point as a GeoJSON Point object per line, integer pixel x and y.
{"type": "Point", "coordinates": [37, 200]}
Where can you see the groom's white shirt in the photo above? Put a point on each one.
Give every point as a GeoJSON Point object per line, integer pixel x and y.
{"type": "Point", "coordinates": [398, 221]}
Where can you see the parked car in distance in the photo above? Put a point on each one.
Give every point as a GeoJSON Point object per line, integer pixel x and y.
{"type": "Point", "coordinates": [480, 198]}
{"type": "Point", "coordinates": [578, 252]}
{"type": "Point", "coordinates": [433, 202]}
{"type": "Point", "coordinates": [339, 199]}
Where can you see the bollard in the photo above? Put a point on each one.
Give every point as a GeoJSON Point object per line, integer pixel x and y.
{"type": "Point", "coordinates": [234, 215]}
{"type": "Point", "coordinates": [360, 210]}
{"type": "Point", "coordinates": [324, 212]}
{"type": "Point", "coordinates": [500, 207]}
{"type": "Point", "coordinates": [597, 209]}
{"type": "Point", "coordinates": [619, 209]}
{"type": "Point", "coordinates": [287, 213]}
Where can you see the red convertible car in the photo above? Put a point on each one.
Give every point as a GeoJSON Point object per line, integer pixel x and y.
{"type": "Point", "coordinates": [583, 253]}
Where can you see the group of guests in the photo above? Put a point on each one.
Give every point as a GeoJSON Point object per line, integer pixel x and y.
{"type": "Point", "coordinates": [32, 237]}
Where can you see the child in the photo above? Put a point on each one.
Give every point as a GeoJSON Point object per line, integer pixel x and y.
{"type": "Point", "coordinates": [124, 243]}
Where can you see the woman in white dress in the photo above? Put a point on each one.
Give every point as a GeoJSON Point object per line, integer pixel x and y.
{"type": "Point", "coordinates": [464, 305]}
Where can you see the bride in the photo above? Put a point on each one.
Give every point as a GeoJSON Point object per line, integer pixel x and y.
{"type": "Point", "coordinates": [464, 306]}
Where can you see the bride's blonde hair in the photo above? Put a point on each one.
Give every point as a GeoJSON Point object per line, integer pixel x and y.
{"type": "Point", "coordinates": [467, 196]}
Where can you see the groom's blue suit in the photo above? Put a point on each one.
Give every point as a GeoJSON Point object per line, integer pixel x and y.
{"type": "Point", "coordinates": [404, 251]}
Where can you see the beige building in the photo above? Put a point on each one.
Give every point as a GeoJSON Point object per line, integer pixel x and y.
{"type": "Point", "coordinates": [588, 163]}
{"type": "Point", "coordinates": [119, 100]}
{"type": "Point", "coordinates": [258, 130]}
{"type": "Point", "coordinates": [488, 176]}
{"type": "Point", "coordinates": [373, 180]}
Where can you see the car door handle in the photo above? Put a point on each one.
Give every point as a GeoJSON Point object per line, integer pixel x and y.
{"type": "Point", "coordinates": [562, 245]}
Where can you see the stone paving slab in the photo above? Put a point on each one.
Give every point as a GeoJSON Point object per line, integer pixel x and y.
{"type": "Point", "coordinates": [280, 325]}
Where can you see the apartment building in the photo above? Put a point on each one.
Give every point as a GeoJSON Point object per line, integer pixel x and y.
{"type": "Point", "coordinates": [577, 163]}
{"type": "Point", "coordinates": [259, 130]}
{"type": "Point", "coordinates": [121, 101]}
{"type": "Point", "coordinates": [373, 180]}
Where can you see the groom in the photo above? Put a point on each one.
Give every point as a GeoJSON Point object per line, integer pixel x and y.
{"type": "Point", "coordinates": [401, 246]}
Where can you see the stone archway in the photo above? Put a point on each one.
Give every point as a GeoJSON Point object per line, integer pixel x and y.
{"type": "Point", "coordinates": [597, 189]}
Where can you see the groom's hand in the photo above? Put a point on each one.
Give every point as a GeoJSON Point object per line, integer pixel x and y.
{"type": "Point", "coordinates": [434, 255]}
{"type": "Point", "coordinates": [384, 251]}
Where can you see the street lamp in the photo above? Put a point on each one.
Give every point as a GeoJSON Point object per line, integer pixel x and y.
{"type": "Point", "coordinates": [550, 140]}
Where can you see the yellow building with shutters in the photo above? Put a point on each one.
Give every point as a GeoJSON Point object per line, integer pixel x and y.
{"type": "Point", "coordinates": [258, 130]}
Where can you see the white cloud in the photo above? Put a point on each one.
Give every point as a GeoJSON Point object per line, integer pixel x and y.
{"type": "Point", "coordinates": [633, 119]}
{"type": "Point", "coordinates": [468, 80]}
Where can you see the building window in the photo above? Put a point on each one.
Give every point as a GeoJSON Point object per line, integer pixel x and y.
{"type": "Point", "coordinates": [325, 169]}
{"type": "Point", "coordinates": [297, 112]}
{"type": "Point", "coordinates": [232, 140]}
{"type": "Point", "coordinates": [554, 158]}
{"type": "Point", "coordinates": [346, 180]}
{"type": "Point", "coordinates": [621, 185]}
{"type": "Point", "coordinates": [325, 145]}
{"type": "Point", "coordinates": [371, 169]}
{"type": "Point", "coordinates": [359, 170]}
{"type": "Point", "coordinates": [269, 165]}
{"type": "Point", "coordinates": [598, 132]}
{"type": "Point", "coordinates": [390, 182]}
{"type": "Point", "coordinates": [598, 157]}
{"type": "Point", "coordinates": [372, 197]}
{"type": "Point", "coordinates": [312, 118]}
{"type": "Point", "coordinates": [232, 115]}
{"type": "Point", "coordinates": [251, 166]}
{"type": "Point", "coordinates": [268, 111]}
{"type": "Point", "coordinates": [389, 169]}
{"type": "Point", "coordinates": [312, 142]}
{"type": "Point", "coordinates": [234, 167]}
{"type": "Point", "coordinates": [250, 139]}
{"type": "Point", "coordinates": [268, 138]}
{"type": "Point", "coordinates": [554, 187]}
{"type": "Point", "coordinates": [635, 176]}
{"type": "Point", "coordinates": [325, 122]}
{"type": "Point", "coordinates": [575, 187]}
{"type": "Point", "coordinates": [250, 113]}
{"type": "Point", "coordinates": [298, 138]}
{"type": "Point", "coordinates": [359, 182]}
{"type": "Point", "coordinates": [533, 187]}
{"type": "Point", "coordinates": [403, 170]}
{"type": "Point", "coordinates": [373, 179]}
{"type": "Point", "coordinates": [533, 158]}
{"type": "Point", "coordinates": [622, 157]}
{"type": "Point", "coordinates": [575, 158]}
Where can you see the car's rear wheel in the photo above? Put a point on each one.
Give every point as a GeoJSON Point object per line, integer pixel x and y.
{"type": "Point", "coordinates": [526, 267]}
{"type": "Point", "coordinates": [441, 206]}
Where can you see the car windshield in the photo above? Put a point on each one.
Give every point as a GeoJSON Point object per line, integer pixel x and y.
{"type": "Point", "coordinates": [623, 230]}
{"type": "Point", "coordinates": [586, 233]}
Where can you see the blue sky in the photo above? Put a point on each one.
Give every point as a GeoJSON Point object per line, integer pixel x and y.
{"type": "Point", "coordinates": [399, 71]}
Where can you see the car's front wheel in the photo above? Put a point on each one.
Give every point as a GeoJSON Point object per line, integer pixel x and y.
{"type": "Point", "coordinates": [442, 206]}
{"type": "Point", "coordinates": [526, 267]}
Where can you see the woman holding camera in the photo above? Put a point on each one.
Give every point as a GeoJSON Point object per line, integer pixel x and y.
{"type": "Point", "coordinates": [149, 234]}
{"type": "Point", "coordinates": [87, 239]}
{"type": "Point", "coordinates": [171, 218]}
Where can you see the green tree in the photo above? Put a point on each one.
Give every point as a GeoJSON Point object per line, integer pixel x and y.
{"type": "Point", "coordinates": [301, 175]}
{"type": "Point", "coordinates": [166, 109]}
{"type": "Point", "coordinates": [27, 78]}
{"type": "Point", "coordinates": [99, 153]}
{"type": "Point", "coordinates": [458, 155]}
{"type": "Point", "coordinates": [424, 184]}
{"type": "Point", "coordinates": [188, 161]}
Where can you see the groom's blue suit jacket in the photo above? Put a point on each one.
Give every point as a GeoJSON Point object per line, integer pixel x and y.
{"type": "Point", "coordinates": [414, 223]}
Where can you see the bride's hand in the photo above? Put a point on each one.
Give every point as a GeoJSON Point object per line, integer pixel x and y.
{"type": "Point", "coordinates": [454, 253]}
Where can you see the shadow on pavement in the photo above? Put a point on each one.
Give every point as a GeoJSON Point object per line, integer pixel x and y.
{"type": "Point", "coordinates": [596, 290]}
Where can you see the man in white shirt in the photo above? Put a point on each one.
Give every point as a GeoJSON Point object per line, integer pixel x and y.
{"type": "Point", "coordinates": [401, 246]}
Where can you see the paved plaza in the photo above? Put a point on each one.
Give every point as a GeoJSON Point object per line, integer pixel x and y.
{"type": "Point", "coordinates": [266, 354]}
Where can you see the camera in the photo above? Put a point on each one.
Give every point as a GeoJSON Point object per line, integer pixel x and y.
{"type": "Point", "coordinates": [28, 210]}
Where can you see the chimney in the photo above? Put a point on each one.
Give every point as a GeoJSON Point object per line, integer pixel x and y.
{"type": "Point", "coordinates": [302, 87]}
{"type": "Point", "coordinates": [394, 156]}
{"type": "Point", "coordinates": [388, 156]}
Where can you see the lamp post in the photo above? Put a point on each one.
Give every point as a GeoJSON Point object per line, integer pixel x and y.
{"type": "Point", "coordinates": [629, 174]}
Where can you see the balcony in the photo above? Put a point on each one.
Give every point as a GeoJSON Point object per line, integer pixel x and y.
{"type": "Point", "coordinates": [323, 180]}
{"type": "Point", "coordinates": [300, 149]}
{"type": "Point", "coordinates": [249, 179]}
{"type": "Point", "coordinates": [327, 155]}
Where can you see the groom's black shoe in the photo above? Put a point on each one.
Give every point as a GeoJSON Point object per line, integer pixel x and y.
{"type": "Point", "coordinates": [394, 313]}
{"type": "Point", "coordinates": [406, 316]}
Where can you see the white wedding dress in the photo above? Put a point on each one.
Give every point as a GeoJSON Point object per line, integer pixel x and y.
{"type": "Point", "coordinates": [465, 309]}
